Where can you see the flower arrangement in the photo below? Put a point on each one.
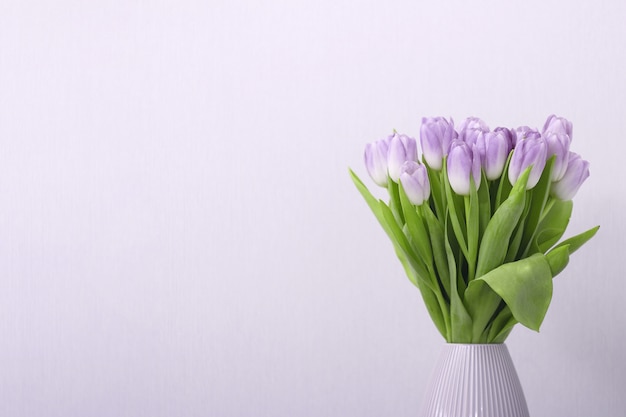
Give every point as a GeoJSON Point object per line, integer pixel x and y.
{"type": "Point", "coordinates": [476, 221]}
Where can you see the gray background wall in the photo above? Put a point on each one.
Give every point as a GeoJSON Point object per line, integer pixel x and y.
{"type": "Point", "coordinates": [178, 232]}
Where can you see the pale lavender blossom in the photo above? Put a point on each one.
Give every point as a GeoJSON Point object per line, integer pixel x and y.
{"type": "Point", "coordinates": [470, 124]}
{"type": "Point", "coordinates": [375, 155]}
{"type": "Point", "coordinates": [414, 180]}
{"type": "Point", "coordinates": [558, 124]}
{"type": "Point", "coordinates": [523, 132]}
{"type": "Point", "coordinates": [507, 134]}
{"type": "Point", "coordinates": [473, 137]}
{"type": "Point", "coordinates": [472, 132]}
{"type": "Point", "coordinates": [436, 135]}
{"type": "Point", "coordinates": [401, 149]}
{"type": "Point", "coordinates": [494, 148]}
{"type": "Point", "coordinates": [530, 151]}
{"type": "Point", "coordinates": [558, 145]}
{"type": "Point", "coordinates": [463, 164]}
{"type": "Point", "coordinates": [576, 173]}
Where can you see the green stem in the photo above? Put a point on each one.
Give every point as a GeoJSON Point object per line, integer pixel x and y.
{"type": "Point", "coordinates": [394, 201]}
{"type": "Point", "coordinates": [504, 187]}
{"type": "Point", "coordinates": [472, 226]}
{"type": "Point", "coordinates": [445, 309]}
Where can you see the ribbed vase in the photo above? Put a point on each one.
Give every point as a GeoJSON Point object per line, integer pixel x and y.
{"type": "Point", "coordinates": [477, 381]}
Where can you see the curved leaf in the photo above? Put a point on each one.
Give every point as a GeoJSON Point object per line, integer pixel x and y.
{"type": "Point", "coordinates": [417, 230]}
{"type": "Point", "coordinates": [501, 326]}
{"type": "Point", "coordinates": [401, 245]}
{"type": "Point", "coordinates": [460, 320]}
{"type": "Point", "coordinates": [538, 199]}
{"type": "Point", "coordinates": [524, 285]}
{"type": "Point", "coordinates": [553, 225]}
{"type": "Point", "coordinates": [436, 234]}
{"type": "Point", "coordinates": [577, 241]}
{"type": "Point", "coordinates": [558, 259]}
{"type": "Point", "coordinates": [495, 243]}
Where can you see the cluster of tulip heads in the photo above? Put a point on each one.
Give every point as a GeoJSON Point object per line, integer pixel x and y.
{"type": "Point", "coordinates": [474, 149]}
{"type": "Point", "coordinates": [476, 218]}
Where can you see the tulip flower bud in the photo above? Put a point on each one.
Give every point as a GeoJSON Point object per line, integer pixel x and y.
{"type": "Point", "coordinates": [531, 151]}
{"type": "Point", "coordinates": [558, 144]}
{"type": "Point", "coordinates": [522, 133]}
{"type": "Point", "coordinates": [375, 156]}
{"type": "Point", "coordinates": [507, 134]}
{"type": "Point", "coordinates": [576, 173]}
{"type": "Point", "coordinates": [436, 134]}
{"type": "Point", "coordinates": [558, 125]}
{"type": "Point", "coordinates": [472, 137]}
{"type": "Point", "coordinates": [401, 149]}
{"type": "Point", "coordinates": [414, 179]}
{"type": "Point", "coordinates": [472, 132]}
{"type": "Point", "coordinates": [495, 147]}
{"type": "Point", "coordinates": [470, 124]}
{"type": "Point", "coordinates": [463, 164]}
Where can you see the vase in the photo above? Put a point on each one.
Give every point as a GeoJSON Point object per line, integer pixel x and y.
{"type": "Point", "coordinates": [474, 380]}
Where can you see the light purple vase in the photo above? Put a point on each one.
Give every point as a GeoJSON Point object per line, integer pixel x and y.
{"type": "Point", "coordinates": [474, 380]}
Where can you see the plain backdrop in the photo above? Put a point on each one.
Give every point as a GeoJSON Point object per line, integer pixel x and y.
{"type": "Point", "coordinates": [179, 235]}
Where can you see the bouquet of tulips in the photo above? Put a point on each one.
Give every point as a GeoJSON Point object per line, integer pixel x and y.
{"type": "Point", "coordinates": [476, 220]}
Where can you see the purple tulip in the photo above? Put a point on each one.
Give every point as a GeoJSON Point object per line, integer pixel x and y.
{"type": "Point", "coordinates": [375, 156]}
{"type": "Point", "coordinates": [558, 125]}
{"type": "Point", "coordinates": [472, 129]}
{"type": "Point", "coordinates": [472, 136]}
{"type": "Point", "coordinates": [414, 179]}
{"type": "Point", "coordinates": [558, 144]}
{"type": "Point", "coordinates": [507, 134]}
{"type": "Point", "coordinates": [436, 134]}
{"type": "Point", "coordinates": [470, 124]}
{"type": "Point", "coordinates": [401, 149]}
{"type": "Point", "coordinates": [522, 133]}
{"type": "Point", "coordinates": [576, 173]}
{"type": "Point", "coordinates": [463, 164]}
{"type": "Point", "coordinates": [494, 148]}
{"type": "Point", "coordinates": [531, 151]}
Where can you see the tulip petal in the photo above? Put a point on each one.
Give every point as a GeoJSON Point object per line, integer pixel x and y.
{"type": "Point", "coordinates": [577, 172]}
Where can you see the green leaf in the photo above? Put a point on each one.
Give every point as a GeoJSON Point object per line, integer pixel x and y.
{"type": "Point", "coordinates": [394, 201]}
{"type": "Point", "coordinates": [515, 242]}
{"type": "Point", "coordinates": [577, 241]}
{"type": "Point", "coordinates": [505, 323]}
{"type": "Point", "coordinates": [484, 203]}
{"type": "Point", "coordinates": [417, 230]}
{"type": "Point", "coordinates": [454, 212]}
{"type": "Point", "coordinates": [539, 197]}
{"type": "Point", "coordinates": [504, 333]}
{"type": "Point", "coordinates": [482, 303]}
{"type": "Point", "coordinates": [400, 240]}
{"type": "Point", "coordinates": [371, 201]}
{"type": "Point", "coordinates": [553, 225]}
{"type": "Point", "coordinates": [516, 239]}
{"type": "Point", "coordinates": [388, 222]}
{"type": "Point", "coordinates": [558, 259]}
{"type": "Point", "coordinates": [416, 274]}
{"type": "Point", "coordinates": [429, 297]}
{"type": "Point", "coordinates": [504, 187]}
{"type": "Point", "coordinates": [473, 228]}
{"type": "Point", "coordinates": [501, 337]}
{"type": "Point", "coordinates": [460, 320]}
{"type": "Point", "coordinates": [408, 269]}
{"type": "Point", "coordinates": [524, 285]}
{"type": "Point", "coordinates": [436, 192]}
{"type": "Point", "coordinates": [436, 233]}
{"type": "Point", "coordinates": [495, 243]}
